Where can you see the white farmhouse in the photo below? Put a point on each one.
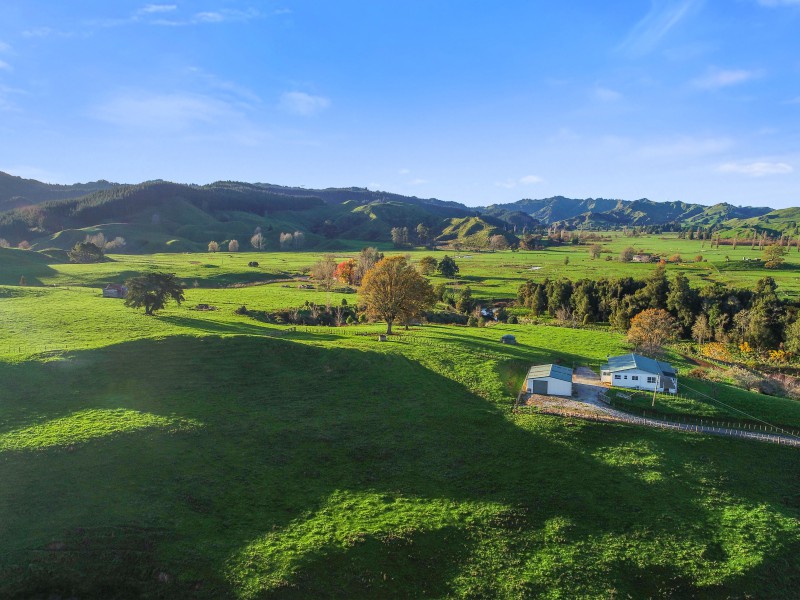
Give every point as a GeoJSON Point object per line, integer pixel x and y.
{"type": "Point", "coordinates": [553, 380]}
{"type": "Point", "coordinates": [639, 372]}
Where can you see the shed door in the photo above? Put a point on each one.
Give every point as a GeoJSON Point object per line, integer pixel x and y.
{"type": "Point", "coordinates": [539, 386]}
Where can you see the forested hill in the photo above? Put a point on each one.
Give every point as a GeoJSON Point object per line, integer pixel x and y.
{"type": "Point", "coordinates": [16, 192]}
{"type": "Point", "coordinates": [603, 212]}
{"type": "Point", "coordinates": [159, 216]}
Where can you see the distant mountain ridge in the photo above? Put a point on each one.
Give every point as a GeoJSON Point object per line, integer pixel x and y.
{"type": "Point", "coordinates": [159, 216]}
{"type": "Point", "coordinates": [599, 212]}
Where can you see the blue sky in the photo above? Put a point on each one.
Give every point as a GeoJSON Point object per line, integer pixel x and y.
{"type": "Point", "coordinates": [479, 102]}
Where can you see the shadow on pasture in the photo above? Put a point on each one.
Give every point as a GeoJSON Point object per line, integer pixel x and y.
{"type": "Point", "coordinates": [288, 426]}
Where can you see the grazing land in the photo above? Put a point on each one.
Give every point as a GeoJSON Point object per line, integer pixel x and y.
{"type": "Point", "coordinates": [202, 453]}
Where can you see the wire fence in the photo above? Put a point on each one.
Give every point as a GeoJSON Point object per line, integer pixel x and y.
{"type": "Point", "coordinates": [708, 428]}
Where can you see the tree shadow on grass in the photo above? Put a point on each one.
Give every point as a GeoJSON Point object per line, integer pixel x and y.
{"type": "Point", "coordinates": [288, 426]}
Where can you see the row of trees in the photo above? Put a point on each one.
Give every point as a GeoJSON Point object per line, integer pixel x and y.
{"type": "Point", "coordinates": [716, 311]}
{"type": "Point", "coordinates": [287, 241]}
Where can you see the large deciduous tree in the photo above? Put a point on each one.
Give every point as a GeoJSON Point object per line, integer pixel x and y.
{"type": "Point", "coordinates": [394, 290]}
{"type": "Point", "coordinates": [651, 329]}
{"type": "Point", "coordinates": [773, 256]}
{"type": "Point", "coordinates": [153, 291]}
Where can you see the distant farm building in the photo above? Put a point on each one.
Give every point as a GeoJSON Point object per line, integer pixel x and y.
{"type": "Point", "coordinates": [639, 372]}
{"type": "Point", "coordinates": [552, 380]}
{"type": "Point", "coordinates": [643, 258]}
{"type": "Point", "coordinates": [115, 290]}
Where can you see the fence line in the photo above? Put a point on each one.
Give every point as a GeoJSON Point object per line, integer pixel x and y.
{"type": "Point", "coordinates": [690, 428]}
{"type": "Point", "coordinates": [704, 421]}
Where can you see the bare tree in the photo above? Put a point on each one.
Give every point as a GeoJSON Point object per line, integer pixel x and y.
{"type": "Point", "coordinates": [213, 246]}
{"type": "Point", "coordinates": [498, 242]}
{"type": "Point", "coordinates": [299, 240]}
{"type": "Point", "coordinates": [286, 240]}
{"type": "Point", "coordinates": [233, 246]}
{"type": "Point", "coordinates": [323, 271]}
{"type": "Point", "coordinates": [367, 258]}
{"type": "Point", "coordinates": [257, 241]}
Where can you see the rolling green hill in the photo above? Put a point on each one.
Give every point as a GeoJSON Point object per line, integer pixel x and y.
{"type": "Point", "coordinates": [774, 223]}
{"type": "Point", "coordinates": [160, 216]}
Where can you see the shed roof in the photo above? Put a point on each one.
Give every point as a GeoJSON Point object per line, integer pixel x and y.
{"type": "Point", "coordinates": [554, 371]}
{"type": "Point", "coordinates": [637, 361]}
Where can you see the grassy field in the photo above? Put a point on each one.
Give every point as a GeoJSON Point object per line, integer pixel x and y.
{"type": "Point", "coordinates": [490, 274]}
{"type": "Point", "coordinates": [203, 454]}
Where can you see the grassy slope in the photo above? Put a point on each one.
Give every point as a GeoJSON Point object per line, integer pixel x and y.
{"type": "Point", "coordinates": [191, 448]}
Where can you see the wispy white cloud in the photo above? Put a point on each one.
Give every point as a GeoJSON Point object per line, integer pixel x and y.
{"type": "Point", "coordinates": [605, 94]}
{"type": "Point", "coordinates": [4, 47]}
{"type": "Point", "coordinates": [756, 169]}
{"type": "Point", "coordinates": [158, 8]}
{"type": "Point", "coordinates": [167, 15]}
{"type": "Point", "coordinates": [404, 171]}
{"type": "Point", "coordinates": [664, 15]}
{"type": "Point", "coordinates": [512, 183]}
{"type": "Point", "coordinates": [4, 66]}
{"type": "Point", "coordinates": [44, 32]}
{"type": "Point", "coordinates": [418, 181]}
{"type": "Point", "coordinates": [300, 103]}
{"type": "Point", "coordinates": [209, 17]}
{"type": "Point", "coordinates": [720, 78]}
{"type": "Point", "coordinates": [229, 89]}
{"type": "Point", "coordinates": [282, 11]}
{"type": "Point", "coordinates": [177, 111]}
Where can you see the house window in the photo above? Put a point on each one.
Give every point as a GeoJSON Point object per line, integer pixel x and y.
{"type": "Point", "coordinates": [617, 376]}
{"type": "Point", "coordinates": [626, 376]}
{"type": "Point", "coordinates": [651, 380]}
{"type": "Point", "coordinates": [635, 377]}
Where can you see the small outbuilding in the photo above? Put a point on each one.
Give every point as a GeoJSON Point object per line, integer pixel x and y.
{"type": "Point", "coordinates": [115, 290]}
{"type": "Point", "coordinates": [551, 380]}
{"type": "Point", "coordinates": [508, 339]}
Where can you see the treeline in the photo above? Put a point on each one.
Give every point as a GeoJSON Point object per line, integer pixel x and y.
{"type": "Point", "coordinates": [713, 312]}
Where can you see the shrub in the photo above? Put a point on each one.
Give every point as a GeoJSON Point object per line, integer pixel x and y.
{"type": "Point", "coordinates": [252, 263]}
{"type": "Point", "coordinates": [472, 322]}
{"type": "Point", "coordinates": [242, 310]}
{"type": "Point", "coordinates": [698, 373]}
{"type": "Point", "coordinates": [512, 320]}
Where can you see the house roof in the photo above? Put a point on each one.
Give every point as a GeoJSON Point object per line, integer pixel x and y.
{"type": "Point", "coordinates": [637, 361]}
{"type": "Point", "coordinates": [554, 371]}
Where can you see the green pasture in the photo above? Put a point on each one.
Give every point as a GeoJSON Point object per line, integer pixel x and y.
{"type": "Point", "coordinates": [204, 454]}
{"type": "Point", "coordinates": [491, 275]}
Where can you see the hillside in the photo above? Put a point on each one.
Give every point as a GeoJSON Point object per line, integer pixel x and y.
{"type": "Point", "coordinates": [601, 212]}
{"type": "Point", "coordinates": [16, 192]}
{"type": "Point", "coordinates": [774, 223]}
{"type": "Point", "coordinates": [161, 216]}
